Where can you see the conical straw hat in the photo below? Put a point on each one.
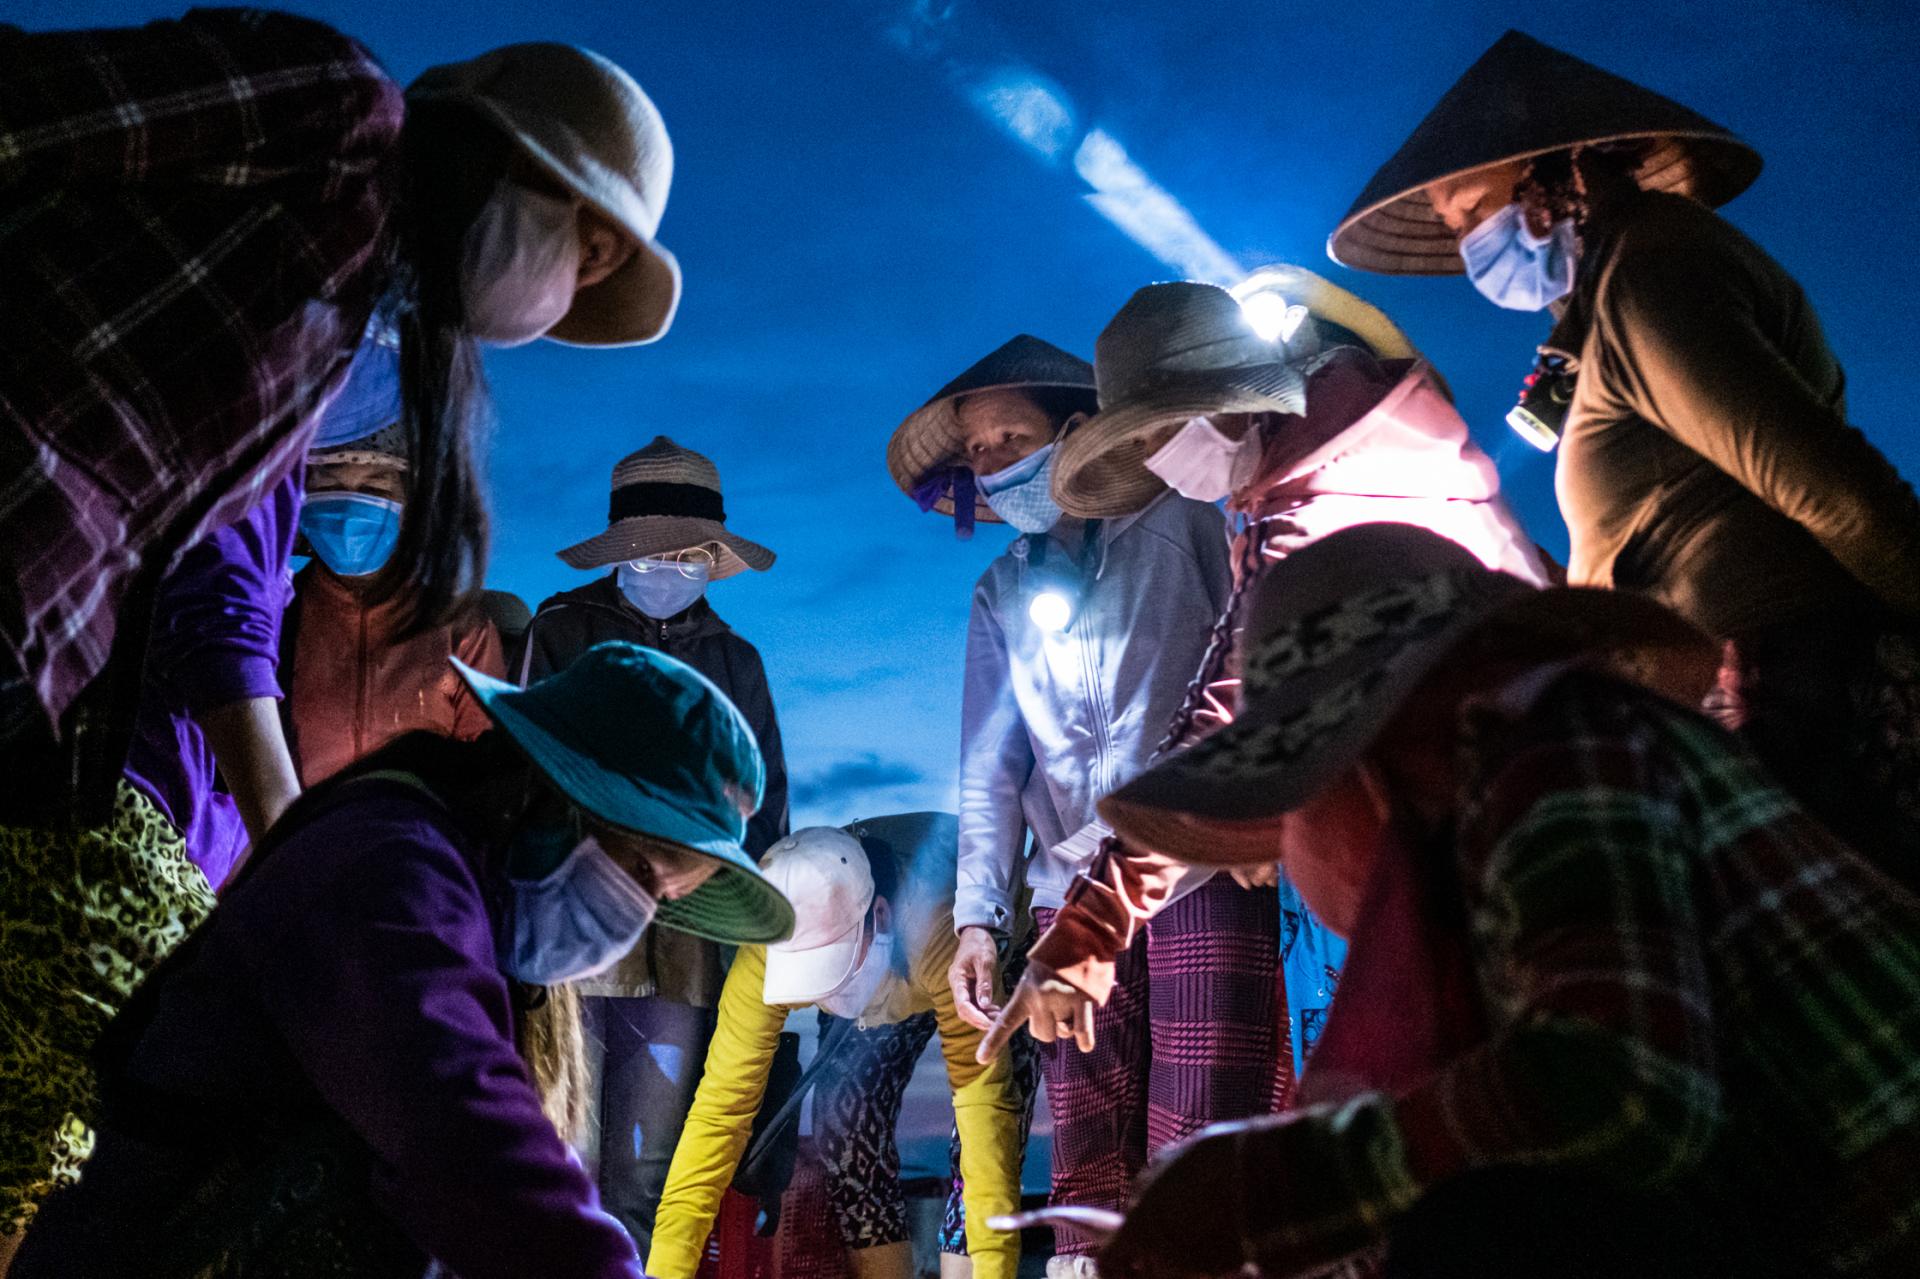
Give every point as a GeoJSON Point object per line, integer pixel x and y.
{"type": "Point", "coordinates": [929, 439]}
{"type": "Point", "coordinates": [1522, 99]}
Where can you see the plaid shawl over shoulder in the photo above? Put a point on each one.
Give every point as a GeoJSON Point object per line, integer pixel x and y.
{"type": "Point", "coordinates": [194, 222]}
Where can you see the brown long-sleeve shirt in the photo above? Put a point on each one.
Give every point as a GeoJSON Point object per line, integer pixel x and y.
{"type": "Point", "coordinates": [1707, 458]}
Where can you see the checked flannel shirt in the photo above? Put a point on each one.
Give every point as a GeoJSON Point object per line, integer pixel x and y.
{"type": "Point", "coordinates": [1688, 985]}
{"type": "Point", "coordinates": [194, 221]}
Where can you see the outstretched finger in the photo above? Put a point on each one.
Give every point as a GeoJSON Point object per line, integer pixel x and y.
{"type": "Point", "coordinates": [1002, 1031]}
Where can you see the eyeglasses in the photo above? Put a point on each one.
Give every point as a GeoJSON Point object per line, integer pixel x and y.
{"type": "Point", "coordinates": [689, 563]}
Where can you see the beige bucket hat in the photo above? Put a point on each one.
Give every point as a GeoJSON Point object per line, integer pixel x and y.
{"type": "Point", "coordinates": [1338, 635]}
{"type": "Point", "coordinates": [586, 122]}
{"type": "Point", "coordinates": [665, 499]}
{"type": "Point", "coordinates": [1183, 350]}
{"type": "Point", "coordinates": [925, 450]}
{"type": "Point", "coordinates": [1522, 99]}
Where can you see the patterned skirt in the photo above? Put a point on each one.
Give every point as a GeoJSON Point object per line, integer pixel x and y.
{"type": "Point", "coordinates": [84, 915]}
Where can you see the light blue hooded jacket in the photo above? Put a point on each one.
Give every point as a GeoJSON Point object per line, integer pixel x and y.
{"type": "Point", "coordinates": [1050, 722]}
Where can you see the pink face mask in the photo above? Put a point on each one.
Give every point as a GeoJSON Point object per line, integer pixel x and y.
{"type": "Point", "coordinates": [1203, 463]}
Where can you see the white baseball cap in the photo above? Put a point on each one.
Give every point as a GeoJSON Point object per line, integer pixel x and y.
{"type": "Point", "coordinates": [823, 871]}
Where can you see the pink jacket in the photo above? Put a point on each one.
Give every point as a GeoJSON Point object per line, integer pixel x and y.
{"type": "Point", "coordinates": [1381, 443]}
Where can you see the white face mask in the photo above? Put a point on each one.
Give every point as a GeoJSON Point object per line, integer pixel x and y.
{"type": "Point", "coordinates": [1514, 268]}
{"type": "Point", "coordinates": [853, 995]}
{"type": "Point", "coordinates": [520, 265]}
{"type": "Point", "coordinates": [1201, 463]}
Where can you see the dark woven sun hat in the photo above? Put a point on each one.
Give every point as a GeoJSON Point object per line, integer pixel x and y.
{"type": "Point", "coordinates": [1186, 349]}
{"type": "Point", "coordinates": [666, 498]}
{"type": "Point", "coordinates": [1522, 99]}
{"type": "Point", "coordinates": [1339, 634]}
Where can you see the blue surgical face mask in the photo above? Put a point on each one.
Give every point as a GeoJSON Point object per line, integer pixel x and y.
{"type": "Point", "coordinates": [1021, 494]}
{"type": "Point", "coordinates": [353, 533]}
{"type": "Point", "coordinates": [662, 588]}
{"type": "Point", "coordinates": [578, 919]}
{"type": "Point", "coordinates": [1515, 269]}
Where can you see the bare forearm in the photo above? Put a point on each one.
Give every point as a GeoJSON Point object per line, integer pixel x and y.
{"type": "Point", "coordinates": [251, 750]}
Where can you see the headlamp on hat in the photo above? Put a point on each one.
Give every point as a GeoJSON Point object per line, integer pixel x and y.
{"type": "Point", "coordinates": [1272, 315]}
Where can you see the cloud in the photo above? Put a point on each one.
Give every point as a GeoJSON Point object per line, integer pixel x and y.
{"type": "Point", "coordinates": [855, 774]}
{"type": "Point", "coordinates": [1029, 107]}
{"type": "Point", "coordinates": [857, 681]}
{"type": "Point", "coordinates": [1039, 114]}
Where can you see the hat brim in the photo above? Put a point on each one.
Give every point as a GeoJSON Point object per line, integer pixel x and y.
{"type": "Point", "coordinates": [1105, 474]}
{"type": "Point", "coordinates": [347, 455]}
{"type": "Point", "coordinates": [646, 536]}
{"type": "Point", "coordinates": [1101, 468]}
{"type": "Point", "coordinates": [1209, 817]}
{"type": "Point", "coordinates": [806, 976]}
{"type": "Point", "coordinates": [632, 307]}
{"type": "Point", "coordinates": [1403, 235]}
{"type": "Point", "coordinates": [736, 905]}
{"type": "Point", "coordinates": [930, 437]}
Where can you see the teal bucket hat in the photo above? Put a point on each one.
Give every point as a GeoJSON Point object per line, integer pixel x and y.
{"type": "Point", "coordinates": [648, 744]}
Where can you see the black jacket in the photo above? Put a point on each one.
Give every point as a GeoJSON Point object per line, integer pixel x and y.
{"type": "Point", "coordinates": [674, 965]}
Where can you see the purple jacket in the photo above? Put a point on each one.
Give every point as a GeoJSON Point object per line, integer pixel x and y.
{"type": "Point", "coordinates": [216, 640]}
{"type": "Point", "coordinates": [355, 967]}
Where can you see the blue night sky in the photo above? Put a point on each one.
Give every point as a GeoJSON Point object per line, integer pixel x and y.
{"type": "Point", "coordinates": [856, 227]}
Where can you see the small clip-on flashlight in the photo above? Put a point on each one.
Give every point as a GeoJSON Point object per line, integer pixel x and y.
{"type": "Point", "coordinates": [1053, 602]}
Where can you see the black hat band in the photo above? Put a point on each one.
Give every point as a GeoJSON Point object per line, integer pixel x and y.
{"type": "Point", "coordinates": [632, 501]}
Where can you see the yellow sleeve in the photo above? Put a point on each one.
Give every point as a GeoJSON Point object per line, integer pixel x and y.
{"type": "Point", "coordinates": [715, 1137]}
{"type": "Point", "coordinates": [986, 1108]}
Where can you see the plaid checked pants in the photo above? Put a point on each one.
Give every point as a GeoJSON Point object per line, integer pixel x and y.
{"type": "Point", "coordinates": [1195, 1032]}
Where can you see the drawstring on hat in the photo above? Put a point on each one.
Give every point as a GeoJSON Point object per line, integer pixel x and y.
{"type": "Point", "coordinates": [940, 483]}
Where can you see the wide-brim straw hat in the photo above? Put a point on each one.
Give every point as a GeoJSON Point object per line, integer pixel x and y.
{"type": "Point", "coordinates": [926, 447]}
{"type": "Point", "coordinates": [1522, 99]}
{"type": "Point", "coordinates": [1185, 349]}
{"type": "Point", "coordinates": [587, 123]}
{"type": "Point", "coordinates": [648, 744]}
{"type": "Point", "coordinates": [1338, 635]}
{"type": "Point", "coordinates": [665, 499]}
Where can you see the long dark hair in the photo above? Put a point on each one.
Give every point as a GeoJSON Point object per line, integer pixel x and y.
{"type": "Point", "coordinates": [451, 159]}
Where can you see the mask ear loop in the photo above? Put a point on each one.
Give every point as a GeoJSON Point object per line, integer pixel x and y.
{"type": "Point", "coordinates": [1374, 783]}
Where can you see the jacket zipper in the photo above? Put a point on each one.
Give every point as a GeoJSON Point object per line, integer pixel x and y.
{"type": "Point", "coordinates": [360, 692]}
{"type": "Point", "coordinates": [1090, 664]}
{"type": "Point", "coordinates": [1095, 706]}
